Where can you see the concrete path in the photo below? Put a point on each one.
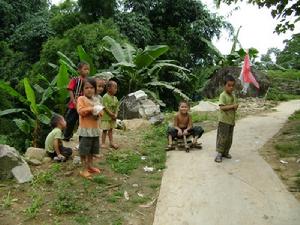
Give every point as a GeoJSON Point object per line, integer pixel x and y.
{"type": "Point", "coordinates": [242, 191]}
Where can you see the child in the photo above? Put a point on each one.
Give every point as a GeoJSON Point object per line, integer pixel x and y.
{"type": "Point", "coordinates": [228, 106]}
{"type": "Point", "coordinates": [100, 88]}
{"type": "Point", "coordinates": [75, 90]}
{"type": "Point", "coordinates": [88, 130]}
{"type": "Point", "coordinates": [53, 143]}
{"type": "Point", "coordinates": [111, 107]}
{"type": "Point", "coordinates": [183, 126]}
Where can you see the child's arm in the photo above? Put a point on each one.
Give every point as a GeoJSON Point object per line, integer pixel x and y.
{"type": "Point", "coordinates": [82, 108]}
{"type": "Point", "coordinates": [189, 126]}
{"type": "Point", "coordinates": [229, 107]}
{"type": "Point", "coordinates": [56, 148]}
{"type": "Point", "coordinates": [110, 113]}
{"type": "Point", "coordinates": [176, 125]}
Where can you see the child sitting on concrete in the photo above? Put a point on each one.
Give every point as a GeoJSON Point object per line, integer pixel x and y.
{"type": "Point", "coordinates": [183, 126]}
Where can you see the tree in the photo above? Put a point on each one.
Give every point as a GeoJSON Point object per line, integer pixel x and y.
{"type": "Point", "coordinates": [287, 11]}
{"type": "Point", "coordinates": [290, 55]}
{"type": "Point", "coordinates": [15, 12]}
{"type": "Point", "coordinates": [140, 69]}
{"type": "Point", "coordinates": [93, 10]}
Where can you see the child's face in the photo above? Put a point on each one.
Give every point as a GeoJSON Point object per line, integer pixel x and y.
{"type": "Point", "coordinates": [184, 108]}
{"type": "Point", "coordinates": [62, 123]}
{"type": "Point", "coordinates": [112, 90]}
{"type": "Point", "coordinates": [100, 86]}
{"type": "Point", "coordinates": [88, 90]}
{"type": "Point", "coordinates": [229, 86]}
{"type": "Point", "coordinates": [84, 70]}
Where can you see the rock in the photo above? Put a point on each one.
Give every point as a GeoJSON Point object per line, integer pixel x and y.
{"type": "Point", "coordinates": [34, 162]}
{"type": "Point", "coordinates": [35, 153]}
{"type": "Point", "coordinates": [216, 83]}
{"type": "Point", "coordinates": [135, 124]}
{"type": "Point", "coordinates": [205, 106]}
{"type": "Point", "coordinates": [47, 159]}
{"type": "Point", "coordinates": [157, 119]}
{"type": "Point", "coordinates": [137, 105]}
{"type": "Point", "coordinates": [68, 173]}
{"type": "Point", "coordinates": [11, 163]}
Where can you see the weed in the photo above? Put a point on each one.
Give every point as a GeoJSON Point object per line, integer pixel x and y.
{"type": "Point", "coordinates": [288, 148]}
{"type": "Point", "coordinates": [140, 200]}
{"type": "Point", "coordinates": [66, 202]}
{"type": "Point", "coordinates": [35, 206]}
{"type": "Point", "coordinates": [56, 167]}
{"type": "Point", "coordinates": [123, 162]}
{"type": "Point", "coordinates": [100, 179]}
{"type": "Point", "coordinates": [154, 186]}
{"type": "Point", "coordinates": [295, 116]}
{"type": "Point", "coordinates": [82, 220]}
{"type": "Point", "coordinates": [6, 201]}
{"type": "Point", "coordinates": [118, 221]}
{"type": "Point", "coordinates": [115, 197]}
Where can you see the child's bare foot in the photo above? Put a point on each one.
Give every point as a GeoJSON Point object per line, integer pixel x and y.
{"type": "Point", "coordinates": [85, 174]}
{"type": "Point", "coordinates": [114, 146]}
{"type": "Point", "coordinates": [103, 146]}
{"type": "Point", "coordinates": [97, 156]}
{"type": "Point", "coordinates": [93, 170]}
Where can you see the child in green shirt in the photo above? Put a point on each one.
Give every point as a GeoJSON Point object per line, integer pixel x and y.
{"type": "Point", "coordinates": [53, 143]}
{"type": "Point", "coordinates": [228, 106]}
{"type": "Point", "coordinates": [111, 108]}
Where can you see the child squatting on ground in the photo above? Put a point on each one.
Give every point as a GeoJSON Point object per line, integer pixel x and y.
{"type": "Point", "coordinates": [228, 106]}
{"type": "Point", "coordinates": [111, 108]}
{"type": "Point", "coordinates": [75, 90]}
{"type": "Point", "coordinates": [183, 127]}
{"type": "Point", "coordinates": [53, 143]}
{"type": "Point", "coordinates": [89, 113]}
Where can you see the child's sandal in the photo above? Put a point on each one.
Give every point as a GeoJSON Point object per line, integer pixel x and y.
{"type": "Point", "coordinates": [169, 148]}
{"type": "Point", "coordinates": [114, 146]}
{"type": "Point", "coordinates": [85, 175]}
{"type": "Point", "coordinates": [94, 170]}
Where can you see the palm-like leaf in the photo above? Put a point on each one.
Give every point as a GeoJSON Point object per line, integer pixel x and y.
{"type": "Point", "coordinates": [30, 96]}
{"type": "Point", "coordinates": [86, 58]}
{"type": "Point", "coordinates": [149, 55]}
{"type": "Point", "coordinates": [170, 87]}
{"type": "Point", "coordinates": [62, 82]}
{"type": "Point", "coordinates": [12, 92]}
{"type": "Point", "coordinates": [116, 49]}
{"type": "Point", "coordinates": [212, 47]}
{"type": "Point", "coordinates": [10, 111]}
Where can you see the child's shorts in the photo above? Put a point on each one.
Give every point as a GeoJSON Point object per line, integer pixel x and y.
{"type": "Point", "coordinates": [108, 124]}
{"type": "Point", "coordinates": [196, 131]}
{"type": "Point", "coordinates": [66, 152]}
{"type": "Point", "coordinates": [88, 145]}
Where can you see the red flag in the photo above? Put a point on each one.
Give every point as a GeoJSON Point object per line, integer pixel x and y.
{"type": "Point", "coordinates": [246, 76]}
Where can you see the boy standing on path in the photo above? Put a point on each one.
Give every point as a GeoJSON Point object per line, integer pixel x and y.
{"type": "Point", "coordinates": [228, 106]}
{"type": "Point", "coordinates": [75, 90]}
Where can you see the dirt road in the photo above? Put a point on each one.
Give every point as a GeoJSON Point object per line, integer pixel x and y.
{"type": "Point", "coordinates": [242, 191]}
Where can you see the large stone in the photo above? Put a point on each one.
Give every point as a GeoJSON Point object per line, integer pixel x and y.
{"type": "Point", "coordinates": [137, 105]}
{"type": "Point", "coordinates": [216, 83]}
{"type": "Point", "coordinates": [35, 153]}
{"type": "Point", "coordinates": [205, 106]}
{"type": "Point", "coordinates": [12, 164]}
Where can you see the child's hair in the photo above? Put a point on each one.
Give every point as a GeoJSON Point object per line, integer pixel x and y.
{"type": "Point", "coordinates": [228, 78]}
{"type": "Point", "coordinates": [92, 81]}
{"type": "Point", "coordinates": [110, 83]}
{"type": "Point", "coordinates": [56, 118]}
{"type": "Point", "coordinates": [184, 102]}
{"type": "Point", "coordinates": [81, 64]}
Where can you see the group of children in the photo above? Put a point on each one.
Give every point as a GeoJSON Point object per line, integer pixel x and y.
{"type": "Point", "coordinates": [95, 112]}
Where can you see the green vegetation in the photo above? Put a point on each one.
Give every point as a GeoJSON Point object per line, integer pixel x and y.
{"type": "Point", "coordinates": [289, 143]}
{"type": "Point", "coordinates": [34, 208]}
{"type": "Point", "coordinates": [123, 161]}
{"type": "Point", "coordinates": [6, 201]}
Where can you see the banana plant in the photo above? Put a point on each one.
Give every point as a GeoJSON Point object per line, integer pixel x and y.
{"type": "Point", "coordinates": [140, 68]}
{"type": "Point", "coordinates": [32, 115]}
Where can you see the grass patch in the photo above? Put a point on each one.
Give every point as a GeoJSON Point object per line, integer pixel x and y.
{"type": "Point", "coordinates": [277, 95]}
{"type": "Point", "coordinates": [115, 197]}
{"type": "Point", "coordinates": [154, 186]}
{"type": "Point", "coordinates": [288, 74]}
{"type": "Point", "coordinates": [124, 161]}
{"type": "Point", "coordinates": [140, 200]}
{"type": "Point", "coordinates": [291, 148]}
{"type": "Point", "coordinates": [295, 116]}
{"type": "Point", "coordinates": [100, 179]}
{"type": "Point", "coordinates": [82, 220]}
{"type": "Point", "coordinates": [154, 142]}
{"type": "Point", "coordinates": [35, 206]}
{"type": "Point", "coordinates": [66, 202]}
{"type": "Point", "coordinates": [7, 201]}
